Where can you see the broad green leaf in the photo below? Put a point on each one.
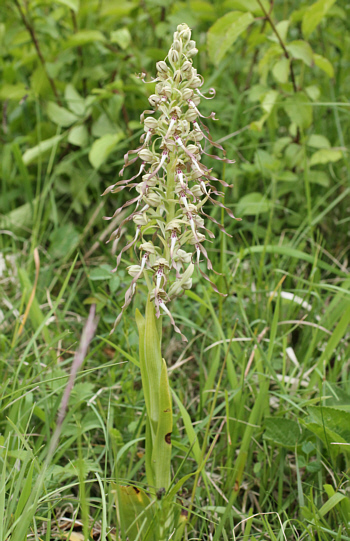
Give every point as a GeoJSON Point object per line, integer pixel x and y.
{"type": "Point", "coordinates": [318, 177]}
{"type": "Point", "coordinates": [282, 29]}
{"type": "Point", "coordinates": [13, 92]}
{"type": "Point", "coordinates": [153, 363]}
{"type": "Point", "coordinates": [59, 115]}
{"type": "Point", "coordinates": [329, 437]}
{"type": "Point", "coordinates": [314, 15]}
{"type": "Point", "coordinates": [334, 419]}
{"type": "Point", "coordinates": [301, 50]}
{"type": "Point", "coordinates": [224, 33]}
{"type": "Point", "coordinates": [104, 272]}
{"type": "Point", "coordinates": [78, 136]}
{"type": "Point", "coordinates": [284, 432]}
{"type": "Point", "coordinates": [41, 149]}
{"type": "Point", "coordinates": [161, 453]}
{"type": "Point", "coordinates": [299, 110]}
{"type": "Point", "coordinates": [116, 9]}
{"type": "Point", "coordinates": [134, 510]}
{"type": "Point", "coordinates": [280, 71]}
{"type": "Point", "coordinates": [122, 37]}
{"type": "Point", "coordinates": [18, 219]}
{"type": "Point", "coordinates": [75, 102]}
{"type": "Point", "coordinates": [204, 10]}
{"type": "Point", "coordinates": [247, 5]}
{"type": "Point", "coordinates": [72, 4]}
{"type": "Point", "coordinates": [269, 101]}
{"type": "Point", "coordinates": [63, 241]}
{"type": "Point", "coordinates": [318, 141]}
{"type": "Point", "coordinates": [252, 204]}
{"type": "Point", "coordinates": [324, 64]}
{"type": "Point", "coordinates": [313, 92]}
{"type": "Point", "coordinates": [102, 147]}
{"type": "Point", "coordinates": [84, 37]}
{"type": "Point", "coordinates": [326, 155]}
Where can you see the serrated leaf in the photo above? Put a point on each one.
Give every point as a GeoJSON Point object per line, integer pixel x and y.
{"type": "Point", "coordinates": [122, 37]}
{"type": "Point", "coordinates": [324, 64]}
{"type": "Point", "coordinates": [59, 115]}
{"type": "Point", "coordinates": [284, 432]}
{"type": "Point", "coordinates": [41, 149]}
{"type": "Point", "coordinates": [84, 37]}
{"type": "Point", "coordinates": [224, 33]}
{"type": "Point", "coordinates": [325, 155]}
{"type": "Point", "coordinates": [314, 15]}
{"type": "Point", "coordinates": [280, 71]}
{"type": "Point", "coordinates": [102, 147]}
{"type": "Point", "coordinates": [299, 110]}
{"type": "Point", "coordinates": [301, 50]}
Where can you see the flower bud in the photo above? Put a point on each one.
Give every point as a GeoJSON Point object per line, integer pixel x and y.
{"type": "Point", "coordinates": [191, 115]}
{"type": "Point", "coordinates": [173, 56]}
{"type": "Point", "coordinates": [153, 199]}
{"type": "Point", "coordinates": [162, 67]}
{"type": "Point", "coordinates": [191, 44]}
{"type": "Point", "coordinates": [133, 270]}
{"type": "Point", "coordinates": [154, 100]}
{"type": "Point", "coordinates": [195, 82]}
{"type": "Point", "coordinates": [187, 284]}
{"type": "Point", "coordinates": [151, 123]}
{"type": "Point", "coordinates": [177, 46]}
{"type": "Point", "coordinates": [196, 99]}
{"type": "Point", "coordinates": [196, 135]}
{"type": "Point", "coordinates": [192, 52]}
{"type": "Point", "coordinates": [193, 149]}
{"type": "Point", "coordinates": [141, 219]}
{"type": "Point", "coordinates": [183, 257]}
{"type": "Point", "coordinates": [160, 262]}
{"type": "Point", "coordinates": [196, 190]}
{"type": "Point", "coordinates": [187, 94]}
{"type": "Point", "coordinates": [148, 247]}
{"type": "Point", "coordinates": [175, 289]}
{"type": "Point", "coordinates": [167, 90]}
{"type": "Point", "coordinates": [186, 67]}
{"type": "Point", "coordinates": [146, 155]}
{"type": "Point", "coordinates": [181, 28]}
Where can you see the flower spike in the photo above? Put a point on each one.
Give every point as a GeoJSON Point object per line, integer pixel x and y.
{"type": "Point", "coordinates": [174, 184]}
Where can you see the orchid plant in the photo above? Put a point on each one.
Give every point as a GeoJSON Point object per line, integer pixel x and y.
{"type": "Point", "coordinates": [173, 187]}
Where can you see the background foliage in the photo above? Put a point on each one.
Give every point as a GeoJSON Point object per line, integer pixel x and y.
{"type": "Point", "coordinates": [70, 105]}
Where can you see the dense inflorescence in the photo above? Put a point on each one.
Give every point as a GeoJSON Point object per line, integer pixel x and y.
{"type": "Point", "coordinates": [174, 184]}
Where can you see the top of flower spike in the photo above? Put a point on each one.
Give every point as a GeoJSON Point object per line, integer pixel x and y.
{"type": "Point", "coordinates": [170, 228]}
